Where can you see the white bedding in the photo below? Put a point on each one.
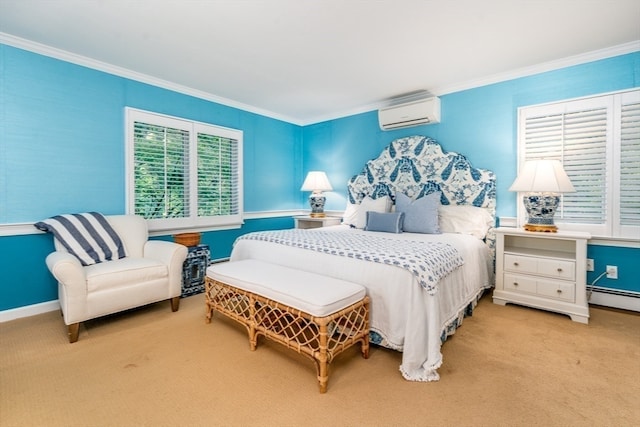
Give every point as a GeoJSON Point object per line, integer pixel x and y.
{"type": "Point", "coordinates": [407, 317]}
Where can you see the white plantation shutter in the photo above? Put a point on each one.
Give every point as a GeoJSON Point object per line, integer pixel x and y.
{"type": "Point", "coordinates": [218, 179]}
{"type": "Point", "coordinates": [183, 174]}
{"type": "Point", "coordinates": [630, 161]}
{"type": "Point", "coordinates": [584, 160]}
{"type": "Point", "coordinates": [597, 142]}
{"type": "Point", "coordinates": [161, 170]}
{"type": "Point", "coordinates": [577, 137]}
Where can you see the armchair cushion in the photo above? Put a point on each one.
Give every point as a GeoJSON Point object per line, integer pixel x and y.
{"type": "Point", "coordinates": [125, 272]}
{"type": "Point", "coordinates": [88, 236]}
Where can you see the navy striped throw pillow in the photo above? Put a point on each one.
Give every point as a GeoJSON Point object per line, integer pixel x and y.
{"type": "Point", "coordinates": [88, 236]}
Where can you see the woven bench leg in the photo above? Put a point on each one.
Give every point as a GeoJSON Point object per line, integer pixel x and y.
{"type": "Point", "coordinates": [208, 304]}
{"type": "Point", "coordinates": [321, 358]}
{"type": "Point", "coordinates": [251, 325]}
{"type": "Point", "coordinates": [364, 343]}
{"type": "Point", "coordinates": [365, 347]}
{"type": "Point", "coordinates": [209, 314]}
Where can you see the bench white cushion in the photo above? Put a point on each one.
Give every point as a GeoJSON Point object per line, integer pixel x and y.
{"type": "Point", "coordinates": [309, 292]}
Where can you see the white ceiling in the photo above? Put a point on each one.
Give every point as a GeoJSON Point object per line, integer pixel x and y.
{"type": "Point", "coordinates": [310, 60]}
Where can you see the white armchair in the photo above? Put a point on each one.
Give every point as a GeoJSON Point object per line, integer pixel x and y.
{"type": "Point", "coordinates": [151, 272]}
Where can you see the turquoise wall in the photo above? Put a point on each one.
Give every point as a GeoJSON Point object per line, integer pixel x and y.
{"type": "Point", "coordinates": [62, 150]}
{"type": "Point", "coordinates": [63, 139]}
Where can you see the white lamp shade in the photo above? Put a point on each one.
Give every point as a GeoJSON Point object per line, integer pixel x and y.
{"type": "Point", "coordinates": [543, 176]}
{"type": "Point", "coordinates": [316, 181]}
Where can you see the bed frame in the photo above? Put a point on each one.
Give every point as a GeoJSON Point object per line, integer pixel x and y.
{"type": "Point", "coordinates": [416, 166]}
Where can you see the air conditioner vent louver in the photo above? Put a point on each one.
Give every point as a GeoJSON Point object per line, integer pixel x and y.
{"type": "Point", "coordinates": [425, 111]}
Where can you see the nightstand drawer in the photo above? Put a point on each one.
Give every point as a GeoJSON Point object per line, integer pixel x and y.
{"type": "Point", "coordinates": [557, 269]}
{"type": "Point", "coordinates": [536, 286]}
{"type": "Point", "coordinates": [520, 283]}
{"type": "Point", "coordinates": [522, 264]}
{"type": "Point", "coordinates": [558, 290]}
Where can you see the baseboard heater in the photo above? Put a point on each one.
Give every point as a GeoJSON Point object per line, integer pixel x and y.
{"type": "Point", "coordinates": [615, 298]}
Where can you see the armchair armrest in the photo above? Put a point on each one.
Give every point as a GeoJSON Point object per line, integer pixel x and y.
{"type": "Point", "coordinates": [171, 254]}
{"type": "Point", "coordinates": [68, 271]}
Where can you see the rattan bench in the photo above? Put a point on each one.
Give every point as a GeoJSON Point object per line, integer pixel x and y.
{"type": "Point", "coordinates": [315, 315]}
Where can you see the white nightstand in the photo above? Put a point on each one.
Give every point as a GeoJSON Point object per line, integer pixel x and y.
{"type": "Point", "coordinates": [305, 221]}
{"type": "Point", "coordinates": [543, 270]}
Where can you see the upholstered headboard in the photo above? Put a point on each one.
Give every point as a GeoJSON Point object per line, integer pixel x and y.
{"type": "Point", "coordinates": [418, 166]}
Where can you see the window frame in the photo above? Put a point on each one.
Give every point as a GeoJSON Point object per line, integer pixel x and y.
{"type": "Point", "coordinates": [612, 101]}
{"type": "Point", "coordinates": [192, 222]}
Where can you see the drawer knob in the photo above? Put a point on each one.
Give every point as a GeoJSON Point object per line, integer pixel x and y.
{"type": "Point", "coordinates": [559, 291]}
{"type": "Point", "coordinates": [559, 270]}
{"type": "Point", "coordinates": [515, 264]}
{"type": "Point", "coordinates": [515, 283]}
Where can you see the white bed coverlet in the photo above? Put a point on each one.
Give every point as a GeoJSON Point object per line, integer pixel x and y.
{"type": "Point", "coordinates": [428, 261]}
{"type": "Point", "coordinates": [408, 317]}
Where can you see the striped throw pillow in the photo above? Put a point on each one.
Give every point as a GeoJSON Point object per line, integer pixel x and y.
{"type": "Point", "coordinates": [88, 236]}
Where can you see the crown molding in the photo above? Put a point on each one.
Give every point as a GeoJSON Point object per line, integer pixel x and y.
{"type": "Point", "coordinates": [63, 55]}
{"type": "Point", "coordinates": [569, 61]}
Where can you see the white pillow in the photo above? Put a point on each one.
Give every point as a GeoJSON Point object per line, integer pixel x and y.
{"type": "Point", "coordinates": [465, 219]}
{"type": "Point", "coordinates": [350, 215]}
{"type": "Point", "coordinates": [356, 214]}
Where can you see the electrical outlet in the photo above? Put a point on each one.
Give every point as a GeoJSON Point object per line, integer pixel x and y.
{"type": "Point", "coordinates": [612, 271]}
{"type": "Point", "coordinates": [590, 266]}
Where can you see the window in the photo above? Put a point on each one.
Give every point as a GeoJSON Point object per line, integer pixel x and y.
{"type": "Point", "coordinates": [183, 174]}
{"type": "Point", "coordinates": [597, 139]}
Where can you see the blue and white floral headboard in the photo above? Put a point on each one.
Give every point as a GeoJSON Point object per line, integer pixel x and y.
{"type": "Point", "coordinates": [418, 166]}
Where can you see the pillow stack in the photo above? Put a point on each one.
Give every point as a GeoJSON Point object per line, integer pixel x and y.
{"type": "Point", "coordinates": [412, 216]}
{"type": "Point", "coordinates": [425, 215]}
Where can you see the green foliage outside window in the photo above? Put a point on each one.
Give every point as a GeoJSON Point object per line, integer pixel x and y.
{"type": "Point", "coordinates": [161, 162]}
{"type": "Point", "coordinates": [161, 170]}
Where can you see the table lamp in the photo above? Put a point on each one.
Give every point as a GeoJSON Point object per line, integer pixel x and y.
{"type": "Point", "coordinates": [542, 181]}
{"type": "Point", "coordinates": [316, 182]}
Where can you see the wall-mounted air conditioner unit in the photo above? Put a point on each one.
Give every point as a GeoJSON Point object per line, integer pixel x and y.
{"type": "Point", "coordinates": [425, 111]}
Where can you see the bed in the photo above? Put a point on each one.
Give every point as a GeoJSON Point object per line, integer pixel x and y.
{"type": "Point", "coordinates": [422, 278]}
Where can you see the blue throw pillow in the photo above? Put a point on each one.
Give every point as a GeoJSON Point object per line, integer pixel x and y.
{"type": "Point", "coordinates": [420, 216]}
{"type": "Point", "coordinates": [386, 222]}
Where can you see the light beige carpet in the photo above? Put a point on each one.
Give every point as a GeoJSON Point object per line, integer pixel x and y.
{"type": "Point", "coordinates": [506, 366]}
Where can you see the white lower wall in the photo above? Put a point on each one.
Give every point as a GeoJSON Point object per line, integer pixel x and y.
{"type": "Point", "coordinates": [616, 299]}
{"type": "Point", "coordinates": [29, 310]}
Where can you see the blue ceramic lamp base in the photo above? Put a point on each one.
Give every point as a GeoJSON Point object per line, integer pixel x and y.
{"type": "Point", "coordinates": [317, 205]}
{"type": "Point", "coordinates": [541, 207]}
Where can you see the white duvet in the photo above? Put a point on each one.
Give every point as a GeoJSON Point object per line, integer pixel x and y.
{"type": "Point", "coordinates": [407, 317]}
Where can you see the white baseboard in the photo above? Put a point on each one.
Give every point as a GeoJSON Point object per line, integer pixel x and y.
{"type": "Point", "coordinates": [606, 297]}
{"type": "Point", "coordinates": [29, 310]}
{"type": "Point", "coordinates": [625, 300]}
